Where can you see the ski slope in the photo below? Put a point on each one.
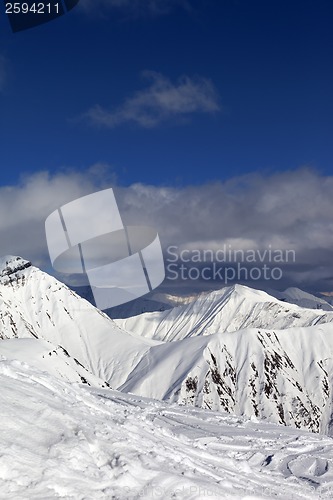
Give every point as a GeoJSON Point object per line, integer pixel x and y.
{"type": "Point", "coordinates": [61, 440]}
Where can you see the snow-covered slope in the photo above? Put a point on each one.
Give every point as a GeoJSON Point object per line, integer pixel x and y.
{"type": "Point", "coordinates": [48, 357]}
{"type": "Point", "coordinates": [35, 305]}
{"type": "Point", "coordinates": [65, 441]}
{"type": "Point", "coordinates": [295, 295]}
{"type": "Point", "coordinates": [226, 310]}
{"type": "Point", "coordinates": [285, 376]}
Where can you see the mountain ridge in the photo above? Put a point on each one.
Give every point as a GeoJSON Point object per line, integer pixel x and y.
{"type": "Point", "coordinates": [229, 309]}
{"type": "Point", "coordinates": [261, 371]}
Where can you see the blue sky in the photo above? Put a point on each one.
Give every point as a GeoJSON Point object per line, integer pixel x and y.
{"type": "Point", "coordinates": [213, 118]}
{"type": "Point", "coordinates": [268, 66]}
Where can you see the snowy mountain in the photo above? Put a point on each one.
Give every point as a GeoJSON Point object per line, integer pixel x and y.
{"type": "Point", "coordinates": [61, 440]}
{"type": "Point", "coordinates": [285, 376]}
{"type": "Point", "coordinates": [226, 310]}
{"type": "Point", "coordinates": [297, 296]}
{"type": "Point", "coordinates": [34, 305]}
{"type": "Point", "coordinates": [268, 359]}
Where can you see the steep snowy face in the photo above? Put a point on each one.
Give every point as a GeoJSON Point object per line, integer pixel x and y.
{"type": "Point", "coordinates": [285, 376]}
{"type": "Point", "coordinates": [35, 305]}
{"type": "Point", "coordinates": [227, 310]}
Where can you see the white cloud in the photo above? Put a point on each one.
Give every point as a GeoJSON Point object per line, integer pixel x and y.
{"type": "Point", "coordinates": [286, 211]}
{"type": "Point", "coordinates": [159, 102]}
{"type": "Point", "coordinates": [291, 210]}
{"type": "Point", "coordinates": [24, 208]}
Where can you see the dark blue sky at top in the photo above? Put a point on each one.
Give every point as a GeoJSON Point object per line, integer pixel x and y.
{"type": "Point", "coordinates": [270, 62]}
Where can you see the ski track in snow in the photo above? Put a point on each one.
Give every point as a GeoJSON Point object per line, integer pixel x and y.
{"type": "Point", "coordinates": [67, 441]}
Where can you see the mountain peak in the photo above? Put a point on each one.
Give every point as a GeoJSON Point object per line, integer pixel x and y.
{"type": "Point", "coordinates": [10, 264]}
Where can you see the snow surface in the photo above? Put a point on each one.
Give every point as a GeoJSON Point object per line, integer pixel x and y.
{"type": "Point", "coordinates": [48, 357]}
{"type": "Point", "coordinates": [61, 440]}
{"type": "Point", "coordinates": [65, 434]}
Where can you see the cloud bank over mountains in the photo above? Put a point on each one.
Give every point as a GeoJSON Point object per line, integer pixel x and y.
{"type": "Point", "coordinates": [286, 211]}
